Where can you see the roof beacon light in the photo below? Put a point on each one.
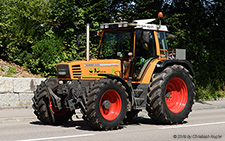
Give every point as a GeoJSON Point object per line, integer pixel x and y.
{"type": "Point", "coordinates": [160, 15]}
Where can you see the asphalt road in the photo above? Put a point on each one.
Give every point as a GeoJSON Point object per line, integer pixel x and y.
{"type": "Point", "coordinates": [206, 122]}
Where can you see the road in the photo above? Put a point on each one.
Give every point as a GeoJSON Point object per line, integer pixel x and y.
{"type": "Point", "coordinates": [206, 122]}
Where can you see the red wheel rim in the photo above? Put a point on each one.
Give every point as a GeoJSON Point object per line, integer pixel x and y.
{"type": "Point", "coordinates": [176, 95]}
{"type": "Point", "coordinates": [115, 105]}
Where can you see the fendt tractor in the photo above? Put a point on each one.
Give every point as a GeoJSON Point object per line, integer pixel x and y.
{"type": "Point", "coordinates": [134, 71]}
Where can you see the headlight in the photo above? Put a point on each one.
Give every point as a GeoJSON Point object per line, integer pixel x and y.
{"type": "Point", "coordinates": [63, 71]}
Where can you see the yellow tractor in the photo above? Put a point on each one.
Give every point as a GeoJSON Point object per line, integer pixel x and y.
{"type": "Point", "coordinates": [134, 71]}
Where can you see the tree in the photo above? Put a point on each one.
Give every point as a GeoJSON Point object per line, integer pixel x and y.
{"type": "Point", "coordinates": [28, 27]}
{"type": "Point", "coordinates": [199, 29]}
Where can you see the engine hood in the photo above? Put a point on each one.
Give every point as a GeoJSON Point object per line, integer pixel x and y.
{"type": "Point", "coordinates": [88, 70]}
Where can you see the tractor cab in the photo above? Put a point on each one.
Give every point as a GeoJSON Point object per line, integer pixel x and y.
{"type": "Point", "coordinates": [135, 44]}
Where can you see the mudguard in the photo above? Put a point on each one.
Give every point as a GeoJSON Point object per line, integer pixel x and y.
{"type": "Point", "coordinates": [155, 64]}
{"type": "Point", "coordinates": [184, 63]}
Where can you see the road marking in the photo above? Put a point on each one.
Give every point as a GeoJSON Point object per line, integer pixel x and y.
{"type": "Point", "coordinates": [193, 125]}
{"type": "Point", "coordinates": [59, 137]}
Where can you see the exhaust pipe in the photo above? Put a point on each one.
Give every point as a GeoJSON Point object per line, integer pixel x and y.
{"type": "Point", "coordinates": [87, 41]}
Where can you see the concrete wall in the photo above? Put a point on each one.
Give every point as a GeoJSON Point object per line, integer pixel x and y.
{"type": "Point", "coordinates": [17, 92]}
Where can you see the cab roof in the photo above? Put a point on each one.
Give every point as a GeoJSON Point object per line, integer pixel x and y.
{"type": "Point", "coordinates": [136, 24]}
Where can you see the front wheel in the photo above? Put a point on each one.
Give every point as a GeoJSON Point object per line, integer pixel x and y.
{"type": "Point", "coordinates": [44, 107]}
{"type": "Point", "coordinates": [171, 95]}
{"type": "Point", "coordinates": [106, 104]}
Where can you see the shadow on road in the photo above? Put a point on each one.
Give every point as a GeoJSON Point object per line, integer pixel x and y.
{"type": "Point", "coordinates": [83, 125]}
{"type": "Point", "coordinates": [148, 121]}
{"type": "Point", "coordinates": [79, 124]}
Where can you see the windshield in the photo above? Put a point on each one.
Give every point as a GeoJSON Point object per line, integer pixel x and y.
{"type": "Point", "coordinates": [115, 44]}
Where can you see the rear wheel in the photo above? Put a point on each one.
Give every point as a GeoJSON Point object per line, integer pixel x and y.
{"type": "Point", "coordinates": [106, 104]}
{"type": "Point", "coordinates": [171, 95]}
{"type": "Point", "coordinates": [44, 107]}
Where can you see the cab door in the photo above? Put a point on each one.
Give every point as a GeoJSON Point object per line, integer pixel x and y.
{"type": "Point", "coordinates": [145, 51]}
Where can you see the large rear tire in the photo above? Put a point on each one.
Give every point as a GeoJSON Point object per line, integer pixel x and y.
{"type": "Point", "coordinates": [43, 106]}
{"type": "Point", "coordinates": [171, 95]}
{"type": "Point", "coordinates": [106, 104]}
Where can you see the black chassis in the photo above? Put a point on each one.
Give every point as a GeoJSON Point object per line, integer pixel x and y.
{"type": "Point", "coordinates": [72, 94]}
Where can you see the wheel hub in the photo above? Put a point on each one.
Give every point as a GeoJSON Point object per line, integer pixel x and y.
{"type": "Point", "coordinates": [110, 105]}
{"type": "Point", "coordinates": [106, 104]}
{"type": "Point", "coordinates": [168, 95]}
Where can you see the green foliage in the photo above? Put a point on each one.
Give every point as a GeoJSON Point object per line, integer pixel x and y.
{"type": "Point", "coordinates": [45, 55]}
{"type": "Point", "coordinates": [2, 68]}
{"type": "Point", "coordinates": [39, 34]}
{"type": "Point", "coordinates": [10, 72]}
{"type": "Point", "coordinates": [200, 32]}
{"type": "Point", "coordinates": [19, 26]}
{"type": "Point", "coordinates": [209, 93]}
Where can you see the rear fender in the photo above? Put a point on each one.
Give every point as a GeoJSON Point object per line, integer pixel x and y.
{"type": "Point", "coordinates": [146, 77]}
{"type": "Point", "coordinates": [184, 63]}
{"type": "Point", "coordinates": [158, 64]}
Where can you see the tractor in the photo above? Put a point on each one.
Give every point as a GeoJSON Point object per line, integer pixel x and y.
{"type": "Point", "coordinates": [134, 71]}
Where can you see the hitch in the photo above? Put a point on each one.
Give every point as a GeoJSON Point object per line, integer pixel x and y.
{"type": "Point", "coordinates": [56, 100]}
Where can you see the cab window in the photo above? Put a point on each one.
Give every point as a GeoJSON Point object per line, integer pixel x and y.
{"type": "Point", "coordinates": [115, 44]}
{"type": "Point", "coordinates": [145, 44]}
{"type": "Point", "coordinates": [162, 43]}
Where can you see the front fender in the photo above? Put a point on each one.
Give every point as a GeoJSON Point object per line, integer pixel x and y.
{"type": "Point", "coordinates": [117, 78]}
{"type": "Point", "coordinates": [125, 84]}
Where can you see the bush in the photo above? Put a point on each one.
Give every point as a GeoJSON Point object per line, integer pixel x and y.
{"type": "Point", "coordinates": [209, 93]}
{"type": "Point", "coordinates": [45, 55]}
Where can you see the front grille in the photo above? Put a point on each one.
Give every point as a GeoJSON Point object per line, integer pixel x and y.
{"type": "Point", "coordinates": [76, 71]}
